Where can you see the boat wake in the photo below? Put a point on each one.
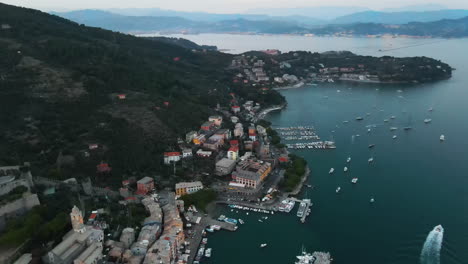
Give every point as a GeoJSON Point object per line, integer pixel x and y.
{"type": "Point", "coordinates": [430, 253]}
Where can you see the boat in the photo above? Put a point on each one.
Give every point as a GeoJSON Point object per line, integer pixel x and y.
{"type": "Point", "coordinates": [200, 253]}
{"type": "Point", "coordinates": [372, 200]}
{"type": "Point", "coordinates": [260, 220]}
{"type": "Point", "coordinates": [368, 130]}
{"type": "Point", "coordinates": [371, 145]}
{"type": "Point", "coordinates": [442, 138]}
{"type": "Point", "coordinates": [241, 221]}
{"type": "Point", "coordinates": [394, 137]}
{"type": "Point", "coordinates": [204, 240]}
{"type": "Point", "coordinates": [345, 169]}
{"type": "Point", "coordinates": [393, 128]}
{"type": "Point", "coordinates": [392, 117]}
{"type": "Point", "coordinates": [348, 160]}
{"type": "Point", "coordinates": [331, 170]}
{"type": "Point", "coordinates": [367, 114]}
{"type": "Point", "coordinates": [354, 180]}
{"type": "Point", "coordinates": [263, 245]}
{"type": "Point", "coordinates": [430, 109]}
{"type": "Point", "coordinates": [216, 227]}
{"type": "Point", "coordinates": [359, 118]}
{"type": "Point", "coordinates": [427, 120]}
{"type": "Point", "coordinates": [209, 229]}
{"type": "Point", "coordinates": [370, 160]}
{"type": "Point", "coordinates": [302, 209]}
{"type": "Point", "coordinates": [208, 253]}
{"type": "Point", "coordinates": [338, 189]}
{"type": "Point", "coordinates": [345, 122]}
{"type": "Point", "coordinates": [407, 128]}
{"type": "Point", "coordinates": [385, 120]}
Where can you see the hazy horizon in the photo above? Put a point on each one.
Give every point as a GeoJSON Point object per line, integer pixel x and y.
{"type": "Point", "coordinates": [231, 6]}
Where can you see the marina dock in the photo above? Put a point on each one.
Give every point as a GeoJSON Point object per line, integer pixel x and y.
{"type": "Point", "coordinates": [223, 225]}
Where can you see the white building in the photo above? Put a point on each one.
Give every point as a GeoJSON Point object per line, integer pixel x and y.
{"type": "Point", "coordinates": [171, 157]}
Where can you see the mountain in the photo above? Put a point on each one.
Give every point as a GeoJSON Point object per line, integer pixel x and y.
{"type": "Point", "coordinates": [319, 13]}
{"type": "Point", "coordinates": [399, 17]}
{"type": "Point", "coordinates": [416, 8]}
{"type": "Point", "coordinates": [447, 28]}
{"type": "Point", "coordinates": [107, 20]}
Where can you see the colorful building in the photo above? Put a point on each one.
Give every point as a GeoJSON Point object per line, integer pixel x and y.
{"type": "Point", "coordinates": [145, 185]}
{"type": "Point", "coordinates": [171, 157]}
{"type": "Point", "coordinates": [251, 172]}
{"type": "Point", "coordinates": [233, 153]}
{"type": "Point", "coordinates": [183, 188]}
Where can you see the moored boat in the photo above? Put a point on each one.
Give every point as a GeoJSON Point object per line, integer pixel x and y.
{"type": "Point", "coordinates": [442, 138]}
{"type": "Point", "coordinates": [354, 180]}
{"type": "Point", "coordinates": [331, 170]}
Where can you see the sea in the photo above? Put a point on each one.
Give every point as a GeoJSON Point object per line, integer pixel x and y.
{"type": "Point", "coordinates": [417, 181]}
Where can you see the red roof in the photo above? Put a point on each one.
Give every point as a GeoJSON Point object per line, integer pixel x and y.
{"type": "Point", "coordinates": [235, 106]}
{"type": "Point", "coordinates": [125, 182]}
{"type": "Point", "coordinates": [252, 134]}
{"type": "Point", "coordinates": [171, 154]}
{"type": "Point", "coordinates": [234, 142]}
{"type": "Point", "coordinates": [131, 198]}
{"type": "Point", "coordinates": [93, 216]}
{"type": "Point", "coordinates": [283, 159]}
{"type": "Point", "coordinates": [234, 148]}
{"type": "Point", "coordinates": [103, 167]}
{"type": "Point", "coordinates": [177, 59]}
{"type": "Point", "coordinates": [166, 103]}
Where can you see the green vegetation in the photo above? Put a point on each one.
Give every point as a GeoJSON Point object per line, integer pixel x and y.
{"type": "Point", "coordinates": [13, 195]}
{"type": "Point", "coordinates": [200, 199]}
{"type": "Point", "coordinates": [35, 225]}
{"type": "Point", "coordinates": [295, 170]}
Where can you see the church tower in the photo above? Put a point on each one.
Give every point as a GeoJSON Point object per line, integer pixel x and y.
{"type": "Point", "coordinates": [77, 220]}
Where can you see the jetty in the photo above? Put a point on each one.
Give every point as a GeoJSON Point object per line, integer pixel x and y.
{"type": "Point", "coordinates": [322, 257]}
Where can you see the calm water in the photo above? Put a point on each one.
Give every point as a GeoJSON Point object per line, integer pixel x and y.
{"type": "Point", "coordinates": [417, 181]}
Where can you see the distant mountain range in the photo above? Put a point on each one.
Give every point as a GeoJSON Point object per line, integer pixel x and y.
{"type": "Point", "coordinates": [442, 23]}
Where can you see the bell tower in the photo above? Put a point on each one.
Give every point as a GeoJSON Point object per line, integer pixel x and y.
{"type": "Point", "coordinates": [77, 220]}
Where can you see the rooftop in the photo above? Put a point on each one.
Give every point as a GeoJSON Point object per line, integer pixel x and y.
{"type": "Point", "coordinates": [188, 184]}
{"type": "Point", "coordinates": [145, 180]}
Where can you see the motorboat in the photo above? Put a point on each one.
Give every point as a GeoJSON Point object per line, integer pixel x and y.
{"type": "Point", "coordinates": [442, 138]}
{"type": "Point", "coordinates": [385, 120]}
{"type": "Point", "coordinates": [427, 120]}
{"type": "Point", "coordinates": [331, 170]}
{"type": "Point", "coordinates": [370, 160]}
{"type": "Point", "coordinates": [241, 221]}
{"type": "Point", "coordinates": [359, 118]}
{"type": "Point", "coordinates": [338, 189]}
{"type": "Point", "coordinates": [392, 117]}
{"type": "Point", "coordinates": [354, 180]}
{"type": "Point", "coordinates": [348, 160]}
{"type": "Point", "coordinates": [372, 200]}
{"type": "Point", "coordinates": [393, 128]}
{"type": "Point", "coordinates": [345, 169]}
{"type": "Point", "coordinates": [263, 245]}
{"type": "Point", "coordinates": [208, 253]}
{"type": "Point", "coordinates": [371, 145]}
{"type": "Point", "coordinates": [394, 137]}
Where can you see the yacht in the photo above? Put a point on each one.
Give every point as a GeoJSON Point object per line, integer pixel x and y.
{"type": "Point", "coordinates": [368, 130]}
{"type": "Point", "coordinates": [427, 120]}
{"type": "Point", "coordinates": [345, 169]}
{"type": "Point", "coordinates": [392, 117]}
{"type": "Point", "coordinates": [371, 145]}
{"type": "Point", "coordinates": [372, 200]}
{"type": "Point", "coordinates": [208, 253]}
{"type": "Point", "coordinates": [359, 118]}
{"type": "Point", "coordinates": [370, 160]}
{"type": "Point", "coordinates": [345, 122]}
{"type": "Point", "coordinates": [241, 221]}
{"type": "Point", "coordinates": [407, 128]}
{"type": "Point", "coordinates": [385, 120]}
{"type": "Point", "coordinates": [442, 137]}
{"type": "Point", "coordinates": [338, 189]}
{"type": "Point", "coordinates": [331, 170]}
{"type": "Point", "coordinates": [263, 245]}
{"type": "Point", "coordinates": [354, 180]}
{"type": "Point", "coordinates": [393, 128]}
{"type": "Point", "coordinates": [302, 209]}
{"type": "Point", "coordinates": [348, 160]}
{"type": "Point", "coordinates": [394, 137]}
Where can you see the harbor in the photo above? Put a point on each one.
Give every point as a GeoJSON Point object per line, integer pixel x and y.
{"type": "Point", "coordinates": [303, 137]}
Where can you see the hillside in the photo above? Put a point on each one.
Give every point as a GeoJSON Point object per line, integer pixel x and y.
{"type": "Point", "coordinates": [59, 83]}
{"type": "Point", "coordinates": [447, 28]}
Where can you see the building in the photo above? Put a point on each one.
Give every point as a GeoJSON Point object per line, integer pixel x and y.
{"type": "Point", "coordinates": [234, 119]}
{"type": "Point", "coordinates": [253, 136]}
{"type": "Point", "coordinates": [235, 109]}
{"type": "Point", "coordinates": [77, 220]}
{"type": "Point", "coordinates": [145, 185]}
{"type": "Point", "coordinates": [200, 139]}
{"type": "Point", "coordinates": [187, 153]}
{"type": "Point", "coordinates": [233, 153]}
{"type": "Point", "coordinates": [103, 168]}
{"type": "Point", "coordinates": [225, 166]}
{"type": "Point", "coordinates": [190, 136]}
{"type": "Point", "coordinates": [188, 187]}
{"type": "Point", "coordinates": [251, 172]}
{"type": "Point", "coordinates": [83, 246]}
{"type": "Point", "coordinates": [204, 153]}
{"type": "Point", "coordinates": [238, 130]}
{"type": "Point", "coordinates": [171, 157]}
{"type": "Point", "coordinates": [217, 120]}
{"type": "Point", "coordinates": [224, 133]}
{"type": "Point", "coordinates": [214, 142]}
{"type": "Point", "coordinates": [207, 126]}
{"type": "Point", "coordinates": [122, 96]}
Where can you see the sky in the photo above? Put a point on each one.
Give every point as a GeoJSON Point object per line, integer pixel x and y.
{"type": "Point", "coordinates": [222, 6]}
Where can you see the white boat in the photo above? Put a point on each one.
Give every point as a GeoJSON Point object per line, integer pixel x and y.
{"type": "Point", "coordinates": [372, 200]}
{"type": "Point", "coordinates": [241, 221]}
{"type": "Point", "coordinates": [260, 220]}
{"type": "Point", "coordinates": [338, 189]}
{"type": "Point", "coordinates": [430, 109]}
{"type": "Point", "coordinates": [204, 240]}
{"type": "Point", "coordinates": [345, 122]}
{"type": "Point", "coordinates": [331, 170]}
{"type": "Point", "coordinates": [394, 137]}
{"type": "Point", "coordinates": [392, 117]}
{"type": "Point", "coordinates": [393, 128]}
{"type": "Point", "coordinates": [348, 160]}
{"type": "Point", "coordinates": [427, 120]}
{"type": "Point", "coordinates": [208, 253]}
{"type": "Point", "coordinates": [442, 137]}
{"type": "Point", "coordinates": [354, 180]}
{"type": "Point", "coordinates": [368, 130]}
{"type": "Point", "coordinates": [263, 245]}
{"type": "Point", "coordinates": [385, 120]}
{"type": "Point", "coordinates": [345, 169]}
{"type": "Point", "coordinates": [370, 160]}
